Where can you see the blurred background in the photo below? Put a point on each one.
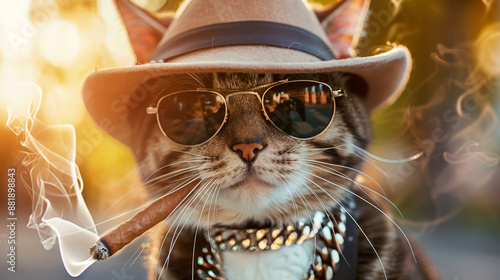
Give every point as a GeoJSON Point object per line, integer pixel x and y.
{"type": "Point", "coordinates": [450, 196]}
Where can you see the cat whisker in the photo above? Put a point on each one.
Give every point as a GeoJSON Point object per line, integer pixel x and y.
{"type": "Point", "coordinates": [361, 186]}
{"type": "Point", "coordinates": [366, 201]}
{"type": "Point", "coordinates": [190, 153]}
{"type": "Point", "coordinates": [295, 208]}
{"type": "Point", "coordinates": [362, 157]}
{"type": "Point", "coordinates": [172, 223]}
{"type": "Point", "coordinates": [148, 180]}
{"type": "Point", "coordinates": [175, 219]}
{"type": "Point", "coordinates": [371, 158]}
{"type": "Point", "coordinates": [326, 209]}
{"type": "Point", "coordinates": [311, 220]}
{"type": "Point", "coordinates": [160, 225]}
{"type": "Point", "coordinates": [353, 169]}
{"type": "Point", "coordinates": [321, 150]}
{"type": "Point", "coordinates": [162, 177]}
{"type": "Point", "coordinates": [215, 210]}
{"type": "Point", "coordinates": [145, 184]}
{"type": "Point", "coordinates": [305, 202]}
{"type": "Point", "coordinates": [160, 191]}
{"type": "Point", "coordinates": [349, 214]}
{"type": "Point", "coordinates": [212, 201]}
{"type": "Point", "coordinates": [191, 178]}
{"type": "Point", "coordinates": [343, 176]}
{"type": "Point", "coordinates": [303, 199]}
{"type": "Point", "coordinates": [310, 150]}
{"type": "Point", "coordinates": [140, 250]}
{"type": "Point", "coordinates": [330, 217]}
{"type": "Point", "coordinates": [178, 231]}
{"type": "Point", "coordinates": [138, 208]}
{"type": "Point", "coordinates": [196, 171]}
{"type": "Point", "coordinates": [170, 165]}
{"type": "Point", "coordinates": [381, 159]}
{"type": "Point", "coordinates": [133, 210]}
{"type": "Point", "coordinates": [278, 205]}
{"type": "Point", "coordinates": [212, 191]}
{"type": "Point", "coordinates": [178, 218]}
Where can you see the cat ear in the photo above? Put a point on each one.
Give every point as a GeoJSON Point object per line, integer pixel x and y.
{"type": "Point", "coordinates": [343, 22]}
{"type": "Point", "coordinates": [144, 29]}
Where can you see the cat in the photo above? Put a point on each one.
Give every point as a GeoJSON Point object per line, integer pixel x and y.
{"type": "Point", "coordinates": [241, 203]}
{"type": "Point", "coordinates": [251, 176]}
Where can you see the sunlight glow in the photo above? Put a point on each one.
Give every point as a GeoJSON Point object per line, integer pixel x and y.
{"type": "Point", "coordinates": [60, 43]}
{"type": "Point", "coordinates": [13, 20]}
{"type": "Point", "coordinates": [65, 107]}
{"type": "Point", "coordinates": [487, 49]}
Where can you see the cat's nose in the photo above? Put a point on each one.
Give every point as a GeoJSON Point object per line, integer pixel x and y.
{"type": "Point", "coordinates": [248, 152]}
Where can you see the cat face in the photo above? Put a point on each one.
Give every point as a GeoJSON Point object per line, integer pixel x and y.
{"type": "Point", "coordinates": [287, 179]}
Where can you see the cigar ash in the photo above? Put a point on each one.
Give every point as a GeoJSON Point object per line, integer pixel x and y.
{"type": "Point", "coordinates": [99, 251]}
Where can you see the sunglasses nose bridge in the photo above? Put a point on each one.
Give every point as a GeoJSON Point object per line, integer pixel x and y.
{"type": "Point", "coordinates": [231, 103]}
{"type": "Point", "coordinates": [238, 93]}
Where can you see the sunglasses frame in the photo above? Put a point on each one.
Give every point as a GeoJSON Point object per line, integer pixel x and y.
{"type": "Point", "coordinates": [334, 93]}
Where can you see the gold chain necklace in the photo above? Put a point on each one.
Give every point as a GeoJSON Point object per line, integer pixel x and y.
{"type": "Point", "coordinates": [329, 230]}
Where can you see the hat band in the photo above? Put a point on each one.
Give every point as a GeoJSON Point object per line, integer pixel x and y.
{"type": "Point", "coordinates": [245, 33]}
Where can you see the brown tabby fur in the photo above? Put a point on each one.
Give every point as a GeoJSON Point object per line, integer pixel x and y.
{"type": "Point", "coordinates": [281, 161]}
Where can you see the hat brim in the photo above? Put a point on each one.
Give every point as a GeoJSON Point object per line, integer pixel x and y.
{"type": "Point", "coordinates": [106, 92]}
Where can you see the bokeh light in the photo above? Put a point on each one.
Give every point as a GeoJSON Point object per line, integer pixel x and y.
{"type": "Point", "coordinates": [60, 43]}
{"type": "Point", "coordinates": [487, 47]}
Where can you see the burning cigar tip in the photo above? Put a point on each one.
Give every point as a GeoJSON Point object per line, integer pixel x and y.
{"type": "Point", "coordinates": [99, 251]}
{"type": "Point", "coordinates": [115, 240]}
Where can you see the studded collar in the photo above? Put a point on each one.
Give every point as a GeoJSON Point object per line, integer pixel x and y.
{"type": "Point", "coordinates": [334, 232]}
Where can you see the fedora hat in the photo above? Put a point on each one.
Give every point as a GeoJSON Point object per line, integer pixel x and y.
{"type": "Point", "coordinates": [258, 36]}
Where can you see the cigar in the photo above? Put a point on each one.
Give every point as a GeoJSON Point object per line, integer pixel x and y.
{"type": "Point", "coordinates": [125, 233]}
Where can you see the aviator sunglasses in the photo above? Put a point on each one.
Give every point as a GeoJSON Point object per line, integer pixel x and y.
{"type": "Point", "coordinates": [303, 109]}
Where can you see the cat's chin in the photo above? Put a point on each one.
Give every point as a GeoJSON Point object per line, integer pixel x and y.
{"type": "Point", "coordinates": [249, 197]}
{"type": "Point", "coordinates": [251, 182]}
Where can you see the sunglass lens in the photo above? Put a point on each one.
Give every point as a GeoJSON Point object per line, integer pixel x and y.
{"type": "Point", "coordinates": [302, 109]}
{"type": "Point", "coordinates": [191, 117]}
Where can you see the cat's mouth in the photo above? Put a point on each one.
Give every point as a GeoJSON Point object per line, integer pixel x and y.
{"type": "Point", "coordinates": [250, 180]}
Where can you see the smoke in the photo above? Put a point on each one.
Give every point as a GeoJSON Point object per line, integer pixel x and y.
{"type": "Point", "coordinates": [53, 180]}
{"type": "Point", "coordinates": [449, 111]}
{"type": "Point", "coordinates": [455, 123]}
{"type": "Point", "coordinates": [488, 3]}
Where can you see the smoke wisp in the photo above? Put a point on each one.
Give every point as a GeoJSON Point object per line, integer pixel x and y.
{"type": "Point", "coordinates": [52, 178]}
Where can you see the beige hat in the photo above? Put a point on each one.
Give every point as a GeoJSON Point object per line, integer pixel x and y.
{"type": "Point", "coordinates": [258, 36]}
